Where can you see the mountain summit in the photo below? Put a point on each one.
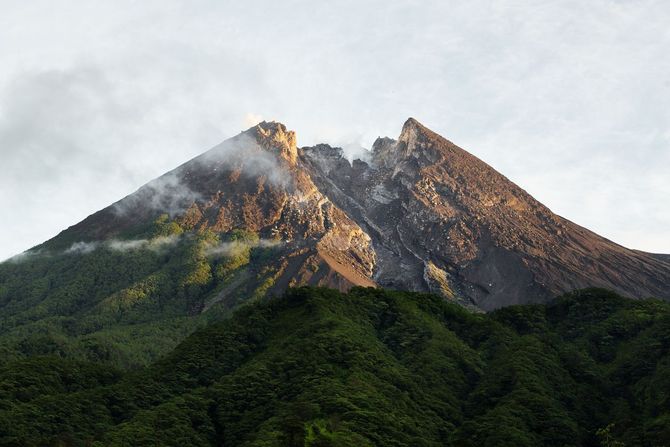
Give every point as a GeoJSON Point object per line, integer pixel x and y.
{"type": "Point", "coordinates": [422, 214]}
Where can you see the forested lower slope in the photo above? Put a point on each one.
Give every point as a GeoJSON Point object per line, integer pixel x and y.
{"type": "Point", "coordinates": [129, 300]}
{"type": "Point", "coordinates": [317, 367]}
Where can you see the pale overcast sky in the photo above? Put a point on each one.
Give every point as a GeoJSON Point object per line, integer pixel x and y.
{"type": "Point", "coordinates": [569, 99]}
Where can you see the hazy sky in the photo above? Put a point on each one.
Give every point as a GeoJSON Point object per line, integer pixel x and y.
{"type": "Point", "coordinates": [570, 99]}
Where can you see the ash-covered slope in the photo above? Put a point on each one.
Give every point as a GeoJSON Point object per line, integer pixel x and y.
{"type": "Point", "coordinates": [442, 220]}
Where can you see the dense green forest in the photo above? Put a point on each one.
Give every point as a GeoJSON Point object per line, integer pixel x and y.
{"type": "Point", "coordinates": [130, 300]}
{"type": "Point", "coordinates": [371, 367]}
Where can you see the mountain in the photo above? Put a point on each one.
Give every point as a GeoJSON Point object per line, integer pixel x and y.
{"type": "Point", "coordinates": [171, 317]}
{"type": "Point", "coordinates": [256, 215]}
{"type": "Point", "coordinates": [369, 368]}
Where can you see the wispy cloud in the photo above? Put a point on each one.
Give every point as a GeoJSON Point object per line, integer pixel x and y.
{"type": "Point", "coordinates": [154, 244]}
{"type": "Point", "coordinates": [168, 193]}
{"type": "Point", "coordinates": [244, 153]}
{"type": "Point", "coordinates": [26, 256]}
{"type": "Point", "coordinates": [81, 248]}
{"type": "Point", "coordinates": [234, 248]}
{"type": "Point", "coordinates": [127, 245]}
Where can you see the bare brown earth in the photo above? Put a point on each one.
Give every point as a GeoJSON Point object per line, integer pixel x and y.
{"type": "Point", "coordinates": [421, 214]}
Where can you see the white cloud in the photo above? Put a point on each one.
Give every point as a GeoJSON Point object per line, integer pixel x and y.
{"type": "Point", "coordinates": [167, 193]}
{"type": "Point", "coordinates": [234, 248]}
{"type": "Point", "coordinates": [82, 248]}
{"type": "Point", "coordinates": [25, 256]}
{"type": "Point", "coordinates": [155, 244]}
{"type": "Point", "coordinates": [127, 245]}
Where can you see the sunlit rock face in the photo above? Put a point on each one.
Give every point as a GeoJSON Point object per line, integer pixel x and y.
{"type": "Point", "coordinates": [420, 214]}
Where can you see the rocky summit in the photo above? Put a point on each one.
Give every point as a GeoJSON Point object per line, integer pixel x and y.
{"type": "Point", "coordinates": [419, 214]}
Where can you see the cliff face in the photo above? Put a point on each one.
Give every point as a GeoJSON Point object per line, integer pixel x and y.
{"type": "Point", "coordinates": [421, 215]}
